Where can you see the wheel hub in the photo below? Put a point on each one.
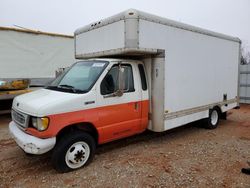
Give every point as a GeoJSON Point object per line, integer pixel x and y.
{"type": "Point", "coordinates": [214, 117]}
{"type": "Point", "coordinates": [77, 155]}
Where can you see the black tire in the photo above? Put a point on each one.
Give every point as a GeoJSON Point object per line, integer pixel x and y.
{"type": "Point", "coordinates": [224, 116]}
{"type": "Point", "coordinates": [29, 154]}
{"type": "Point", "coordinates": [245, 171]}
{"type": "Point", "coordinates": [58, 158]}
{"type": "Point", "coordinates": [213, 120]}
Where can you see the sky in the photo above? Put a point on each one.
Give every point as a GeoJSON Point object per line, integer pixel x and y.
{"type": "Point", "coordinates": [230, 17]}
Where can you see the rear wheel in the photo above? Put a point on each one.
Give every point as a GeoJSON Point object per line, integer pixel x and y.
{"type": "Point", "coordinates": [73, 151]}
{"type": "Point", "coordinates": [213, 120]}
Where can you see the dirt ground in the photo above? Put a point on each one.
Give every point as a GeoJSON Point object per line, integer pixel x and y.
{"type": "Point", "coordinates": [189, 156]}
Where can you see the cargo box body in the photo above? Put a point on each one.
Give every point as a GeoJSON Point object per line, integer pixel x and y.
{"type": "Point", "coordinates": [189, 70]}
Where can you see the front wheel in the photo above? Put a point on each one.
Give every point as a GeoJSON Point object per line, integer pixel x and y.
{"type": "Point", "coordinates": [73, 151]}
{"type": "Point", "coordinates": [213, 120]}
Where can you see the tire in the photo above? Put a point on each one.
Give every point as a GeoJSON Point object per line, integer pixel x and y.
{"type": "Point", "coordinates": [73, 151]}
{"type": "Point", "coordinates": [213, 120]}
{"type": "Point", "coordinates": [29, 154]}
{"type": "Point", "coordinates": [224, 116]}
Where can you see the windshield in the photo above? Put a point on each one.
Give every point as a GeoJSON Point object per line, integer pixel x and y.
{"type": "Point", "coordinates": [79, 78]}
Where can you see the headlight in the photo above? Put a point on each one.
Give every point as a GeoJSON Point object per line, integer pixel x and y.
{"type": "Point", "coordinates": [40, 124]}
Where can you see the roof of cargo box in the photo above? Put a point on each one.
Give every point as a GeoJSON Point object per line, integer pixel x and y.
{"type": "Point", "coordinates": [132, 13]}
{"type": "Point", "coordinates": [34, 32]}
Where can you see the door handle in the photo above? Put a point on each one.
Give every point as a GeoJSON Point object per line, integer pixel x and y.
{"type": "Point", "coordinates": [136, 105]}
{"type": "Point", "coordinates": [89, 102]}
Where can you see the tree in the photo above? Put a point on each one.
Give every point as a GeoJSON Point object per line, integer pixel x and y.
{"type": "Point", "coordinates": [245, 53]}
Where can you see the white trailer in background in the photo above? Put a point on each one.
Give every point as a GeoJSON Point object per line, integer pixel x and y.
{"type": "Point", "coordinates": [33, 55]}
{"type": "Point", "coordinates": [190, 70]}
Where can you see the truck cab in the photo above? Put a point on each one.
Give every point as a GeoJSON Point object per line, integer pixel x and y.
{"type": "Point", "coordinates": [94, 102]}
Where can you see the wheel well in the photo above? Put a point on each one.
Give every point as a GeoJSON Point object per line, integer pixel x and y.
{"type": "Point", "coordinates": [218, 109]}
{"type": "Point", "coordinates": [86, 127]}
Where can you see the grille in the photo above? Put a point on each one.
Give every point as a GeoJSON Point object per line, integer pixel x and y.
{"type": "Point", "coordinates": [20, 118]}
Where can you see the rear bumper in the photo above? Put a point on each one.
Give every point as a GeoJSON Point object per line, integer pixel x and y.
{"type": "Point", "coordinates": [31, 144]}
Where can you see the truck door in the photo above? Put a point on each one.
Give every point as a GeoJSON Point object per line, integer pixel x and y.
{"type": "Point", "coordinates": [120, 113]}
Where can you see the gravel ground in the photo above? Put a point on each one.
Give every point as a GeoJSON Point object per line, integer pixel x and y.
{"type": "Point", "coordinates": [189, 156]}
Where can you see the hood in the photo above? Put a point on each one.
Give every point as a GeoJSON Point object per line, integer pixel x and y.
{"type": "Point", "coordinates": [45, 102]}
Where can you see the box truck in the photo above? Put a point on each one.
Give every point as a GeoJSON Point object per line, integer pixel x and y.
{"type": "Point", "coordinates": [136, 71]}
{"type": "Point", "coordinates": [30, 58]}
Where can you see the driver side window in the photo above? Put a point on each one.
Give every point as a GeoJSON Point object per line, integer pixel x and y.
{"type": "Point", "coordinates": [110, 84]}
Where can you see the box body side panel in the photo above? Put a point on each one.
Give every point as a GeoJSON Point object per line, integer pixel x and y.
{"type": "Point", "coordinates": [199, 69]}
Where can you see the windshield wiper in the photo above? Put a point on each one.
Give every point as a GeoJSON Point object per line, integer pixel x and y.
{"type": "Point", "coordinates": [65, 86]}
{"type": "Point", "coordinates": [50, 87]}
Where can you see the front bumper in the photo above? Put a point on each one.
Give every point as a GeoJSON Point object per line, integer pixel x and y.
{"type": "Point", "coordinates": [31, 144]}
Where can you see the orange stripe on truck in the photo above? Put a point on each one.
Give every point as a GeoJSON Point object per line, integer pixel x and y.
{"type": "Point", "coordinates": [111, 122]}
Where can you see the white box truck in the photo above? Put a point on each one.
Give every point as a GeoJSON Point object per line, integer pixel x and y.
{"type": "Point", "coordinates": [137, 71]}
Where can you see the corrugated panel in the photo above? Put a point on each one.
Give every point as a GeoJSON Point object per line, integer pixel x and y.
{"type": "Point", "coordinates": [245, 84]}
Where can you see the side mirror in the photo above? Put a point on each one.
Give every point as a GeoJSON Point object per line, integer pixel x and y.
{"type": "Point", "coordinates": [117, 93]}
{"type": "Point", "coordinates": [122, 84]}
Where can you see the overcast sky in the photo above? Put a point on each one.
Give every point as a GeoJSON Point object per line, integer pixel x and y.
{"type": "Point", "coordinates": [230, 17]}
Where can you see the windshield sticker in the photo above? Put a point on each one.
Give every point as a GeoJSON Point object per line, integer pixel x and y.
{"type": "Point", "coordinates": [98, 64]}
